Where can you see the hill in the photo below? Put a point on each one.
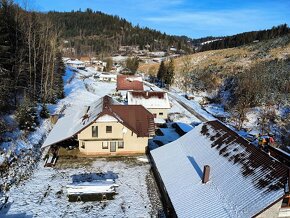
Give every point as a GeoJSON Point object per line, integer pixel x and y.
{"type": "Point", "coordinates": [94, 31]}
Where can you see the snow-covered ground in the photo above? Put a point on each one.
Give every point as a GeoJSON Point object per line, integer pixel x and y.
{"type": "Point", "coordinates": [45, 194]}
{"type": "Point", "coordinates": [41, 192]}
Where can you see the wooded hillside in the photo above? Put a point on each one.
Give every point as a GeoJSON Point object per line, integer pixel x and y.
{"type": "Point", "coordinates": [102, 33]}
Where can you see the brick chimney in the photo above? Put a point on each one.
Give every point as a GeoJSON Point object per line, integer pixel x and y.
{"type": "Point", "coordinates": [206, 171]}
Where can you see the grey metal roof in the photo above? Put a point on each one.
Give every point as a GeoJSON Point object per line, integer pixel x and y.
{"type": "Point", "coordinates": [243, 180]}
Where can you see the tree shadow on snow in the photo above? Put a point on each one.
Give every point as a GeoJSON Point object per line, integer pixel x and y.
{"type": "Point", "coordinates": [4, 210]}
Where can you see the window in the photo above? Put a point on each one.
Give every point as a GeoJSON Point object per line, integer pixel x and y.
{"type": "Point", "coordinates": [108, 129]}
{"type": "Point", "coordinates": [105, 145]}
{"type": "Point", "coordinates": [120, 144]}
{"type": "Point", "coordinates": [94, 131]}
{"type": "Point", "coordinates": [160, 113]}
{"type": "Point", "coordinates": [83, 145]}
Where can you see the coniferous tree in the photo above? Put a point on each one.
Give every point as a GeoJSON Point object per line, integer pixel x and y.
{"type": "Point", "coordinates": [132, 64]}
{"type": "Point", "coordinates": [59, 73]}
{"type": "Point", "coordinates": [109, 64]}
{"type": "Point", "coordinates": [44, 113]}
{"type": "Point", "coordinates": [9, 53]}
{"type": "Point", "coordinates": [161, 71]}
{"type": "Point", "coordinates": [26, 116]}
{"type": "Point", "coordinates": [169, 76]}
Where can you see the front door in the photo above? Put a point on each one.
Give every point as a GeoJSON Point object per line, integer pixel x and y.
{"type": "Point", "coordinates": [112, 146]}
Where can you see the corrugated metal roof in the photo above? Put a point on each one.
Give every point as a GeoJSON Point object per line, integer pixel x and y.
{"type": "Point", "coordinates": [149, 99]}
{"type": "Point", "coordinates": [243, 179]}
{"type": "Point", "coordinates": [68, 126]}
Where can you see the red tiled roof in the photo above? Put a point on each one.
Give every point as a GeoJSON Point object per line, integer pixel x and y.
{"type": "Point", "coordinates": [134, 117]}
{"type": "Point", "coordinates": [128, 83]}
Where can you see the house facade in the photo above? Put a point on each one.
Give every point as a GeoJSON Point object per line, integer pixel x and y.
{"type": "Point", "coordinates": [156, 102]}
{"type": "Point", "coordinates": [108, 77]}
{"type": "Point", "coordinates": [106, 128]}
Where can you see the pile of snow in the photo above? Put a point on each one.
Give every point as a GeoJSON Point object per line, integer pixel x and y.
{"type": "Point", "coordinates": [216, 110]}
{"type": "Point", "coordinates": [107, 186]}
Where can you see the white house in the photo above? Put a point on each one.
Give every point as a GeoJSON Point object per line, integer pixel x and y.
{"type": "Point", "coordinates": [107, 77]}
{"type": "Point", "coordinates": [156, 102]}
{"type": "Point", "coordinates": [76, 64]}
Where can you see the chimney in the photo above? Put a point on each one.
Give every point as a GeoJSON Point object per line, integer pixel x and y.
{"type": "Point", "coordinates": [206, 171]}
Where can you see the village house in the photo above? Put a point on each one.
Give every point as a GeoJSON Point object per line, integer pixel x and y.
{"type": "Point", "coordinates": [76, 64]}
{"type": "Point", "coordinates": [156, 102]}
{"type": "Point", "coordinates": [99, 65]}
{"type": "Point", "coordinates": [106, 128]}
{"type": "Point", "coordinates": [108, 77]}
{"type": "Point", "coordinates": [213, 172]}
{"type": "Point", "coordinates": [86, 60]}
{"type": "Point", "coordinates": [128, 83]}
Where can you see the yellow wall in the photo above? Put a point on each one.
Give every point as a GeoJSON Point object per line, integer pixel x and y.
{"type": "Point", "coordinates": [271, 212]}
{"type": "Point", "coordinates": [93, 145]}
{"type": "Point", "coordinates": [157, 111]}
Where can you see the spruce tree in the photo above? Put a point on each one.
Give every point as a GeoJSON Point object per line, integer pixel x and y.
{"type": "Point", "coordinates": [169, 75]}
{"type": "Point", "coordinates": [132, 64]}
{"type": "Point", "coordinates": [44, 113]}
{"type": "Point", "coordinates": [59, 73]}
{"type": "Point", "coordinates": [7, 54]}
{"type": "Point", "coordinates": [26, 116]}
{"type": "Point", "coordinates": [161, 71]}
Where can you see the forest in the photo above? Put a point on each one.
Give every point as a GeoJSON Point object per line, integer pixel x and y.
{"type": "Point", "coordinates": [245, 38]}
{"type": "Point", "coordinates": [94, 31]}
{"type": "Point", "coordinates": [31, 66]}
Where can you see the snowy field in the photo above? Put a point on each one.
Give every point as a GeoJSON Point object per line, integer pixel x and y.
{"type": "Point", "coordinates": [44, 194]}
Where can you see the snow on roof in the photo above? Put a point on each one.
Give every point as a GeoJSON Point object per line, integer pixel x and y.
{"type": "Point", "coordinates": [134, 117]}
{"type": "Point", "coordinates": [68, 126]}
{"type": "Point", "coordinates": [243, 179]}
{"type": "Point", "coordinates": [129, 83]}
{"type": "Point", "coordinates": [106, 75]}
{"type": "Point", "coordinates": [78, 62]}
{"type": "Point", "coordinates": [149, 99]}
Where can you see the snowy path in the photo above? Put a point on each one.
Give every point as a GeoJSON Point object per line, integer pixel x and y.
{"type": "Point", "coordinates": [188, 107]}
{"type": "Point", "coordinates": [191, 106]}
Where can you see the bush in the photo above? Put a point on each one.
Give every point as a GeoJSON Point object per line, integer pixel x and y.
{"type": "Point", "coordinates": [44, 113]}
{"type": "Point", "coordinates": [26, 116]}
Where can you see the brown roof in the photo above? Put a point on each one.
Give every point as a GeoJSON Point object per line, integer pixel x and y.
{"type": "Point", "coordinates": [134, 117]}
{"type": "Point", "coordinates": [246, 180]}
{"type": "Point", "coordinates": [128, 83]}
{"type": "Point", "coordinates": [224, 140]}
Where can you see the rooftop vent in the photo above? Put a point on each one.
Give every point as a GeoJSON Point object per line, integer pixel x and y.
{"type": "Point", "coordinates": [206, 171]}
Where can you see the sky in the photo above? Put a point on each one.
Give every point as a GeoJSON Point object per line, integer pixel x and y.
{"type": "Point", "coordinates": [193, 18]}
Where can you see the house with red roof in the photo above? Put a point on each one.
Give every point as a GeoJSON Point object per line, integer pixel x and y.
{"type": "Point", "coordinates": [106, 128]}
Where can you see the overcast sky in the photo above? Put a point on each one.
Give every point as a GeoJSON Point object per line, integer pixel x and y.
{"type": "Point", "coordinates": [183, 17]}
